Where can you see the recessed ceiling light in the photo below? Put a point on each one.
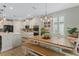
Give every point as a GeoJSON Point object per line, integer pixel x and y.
{"type": "Point", "coordinates": [11, 8]}
{"type": "Point", "coordinates": [28, 15]}
{"type": "Point", "coordinates": [45, 17]}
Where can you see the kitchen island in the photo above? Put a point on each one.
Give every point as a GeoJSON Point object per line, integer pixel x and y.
{"type": "Point", "coordinates": [9, 40]}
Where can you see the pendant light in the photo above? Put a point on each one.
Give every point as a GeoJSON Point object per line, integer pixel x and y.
{"type": "Point", "coordinates": [2, 13]}
{"type": "Point", "coordinates": [46, 17]}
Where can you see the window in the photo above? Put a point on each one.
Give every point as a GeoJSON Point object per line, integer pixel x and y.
{"type": "Point", "coordinates": [58, 25]}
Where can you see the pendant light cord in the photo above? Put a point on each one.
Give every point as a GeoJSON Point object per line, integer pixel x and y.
{"type": "Point", "coordinates": [45, 9]}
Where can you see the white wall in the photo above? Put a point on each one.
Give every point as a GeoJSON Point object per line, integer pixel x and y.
{"type": "Point", "coordinates": [4, 22]}
{"type": "Point", "coordinates": [71, 17]}
{"type": "Point", "coordinates": [17, 26]}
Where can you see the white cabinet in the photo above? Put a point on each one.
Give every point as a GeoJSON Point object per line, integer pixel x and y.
{"type": "Point", "coordinates": [16, 41]}
{"type": "Point", "coordinates": [10, 40]}
{"type": "Point", "coordinates": [6, 42]}
{"type": "Point", "coordinates": [26, 34]}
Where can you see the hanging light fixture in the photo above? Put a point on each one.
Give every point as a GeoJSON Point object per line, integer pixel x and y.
{"type": "Point", "coordinates": [2, 13]}
{"type": "Point", "coordinates": [46, 17]}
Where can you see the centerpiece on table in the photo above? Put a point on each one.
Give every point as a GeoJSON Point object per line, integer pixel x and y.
{"type": "Point", "coordinates": [45, 34]}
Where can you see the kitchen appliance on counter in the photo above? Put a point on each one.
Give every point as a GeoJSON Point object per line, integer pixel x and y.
{"type": "Point", "coordinates": [8, 28]}
{"type": "Point", "coordinates": [36, 30]}
{"type": "Point", "coordinates": [27, 27]}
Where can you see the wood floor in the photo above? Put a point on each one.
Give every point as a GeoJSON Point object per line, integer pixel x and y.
{"type": "Point", "coordinates": [13, 52]}
{"type": "Point", "coordinates": [18, 51]}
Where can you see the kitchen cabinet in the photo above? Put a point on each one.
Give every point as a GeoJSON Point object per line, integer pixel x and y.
{"type": "Point", "coordinates": [16, 40]}
{"type": "Point", "coordinates": [6, 42]}
{"type": "Point", "coordinates": [26, 34]}
{"type": "Point", "coordinates": [9, 41]}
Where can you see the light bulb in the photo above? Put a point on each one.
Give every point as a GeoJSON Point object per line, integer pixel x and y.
{"type": "Point", "coordinates": [1, 21]}
{"type": "Point", "coordinates": [41, 19]}
{"type": "Point", "coordinates": [45, 17]}
{"type": "Point", "coordinates": [48, 20]}
{"type": "Point", "coordinates": [28, 15]}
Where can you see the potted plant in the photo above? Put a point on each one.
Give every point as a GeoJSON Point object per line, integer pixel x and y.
{"type": "Point", "coordinates": [73, 32]}
{"type": "Point", "coordinates": [45, 34]}
{"type": "Point", "coordinates": [73, 35]}
{"type": "Point", "coordinates": [42, 31]}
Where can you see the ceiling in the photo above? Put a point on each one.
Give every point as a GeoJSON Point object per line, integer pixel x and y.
{"type": "Point", "coordinates": [27, 10]}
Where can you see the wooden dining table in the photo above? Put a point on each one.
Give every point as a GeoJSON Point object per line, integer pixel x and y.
{"type": "Point", "coordinates": [44, 51]}
{"type": "Point", "coordinates": [41, 51]}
